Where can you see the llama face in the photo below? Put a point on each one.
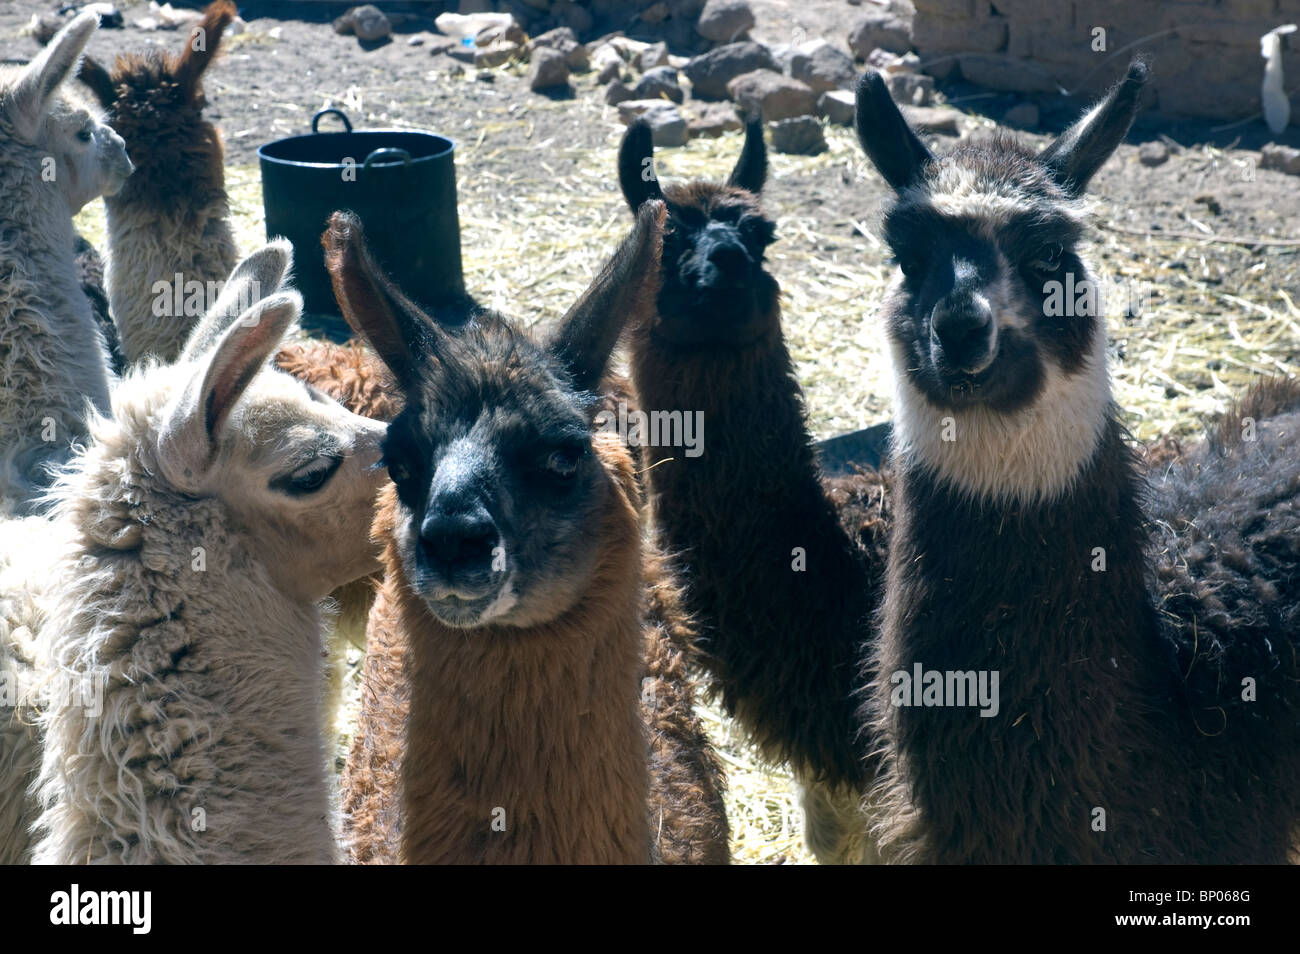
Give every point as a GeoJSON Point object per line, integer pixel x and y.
{"type": "Point", "coordinates": [502, 484]}
{"type": "Point", "coordinates": [715, 290]}
{"type": "Point", "coordinates": [54, 133]}
{"type": "Point", "coordinates": [296, 471]}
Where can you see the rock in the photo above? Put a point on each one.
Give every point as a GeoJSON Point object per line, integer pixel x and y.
{"type": "Point", "coordinates": [1282, 158]}
{"type": "Point", "coordinates": [569, 14]}
{"type": "Point", "coordinates": [497, 54]}
{"type": "Point", "coordinates": [438, 44]}
{"type": "Point", "coordinates": [659, 83]}
{"type": "Point", "coordinates": [710, 72]}
{"type": "Point", "coordinates": [888, 62]}
{"type": "Point", "coordinates": [822, 66]}
{"type": "Point", "coordinates": [416, 40]}
{"type": "Point", "coordinates": [710, 120]}
{"type": "Point", "coordinates": [883, 29]}
{"type": "Point", "coordinates": [485, 76]}
{"type": "Point", "coordinates": [1211, 203]}
{"type": "Point", "coordinates": [656, 54]}
{"type": "Point", "coordinates": [565, 41]}
{"type": "Point", "coordinates": [110, 17]}
{"type": "Point", "coordinates": [724, 21]}
{"type": "Point", "coordinates": [456, 25]}
{"type": "Point", "coordinates": [628, 48]}
{"type": "Point", "coordinates": [1154, 153]}
{"type": "Point", "coordinates": [916, 89]}
{"type": "Point", "coordinates": [667, 125]}
{"type": "Point", "coordinates": [777, 96]}
{"type": "Point", "coordinates": [607, 63]}
{"type": "Point", "coordinates": [511, 32]}
{"type": "Point", "coordinates": [618, 92]}
{"type": "Point", "coordinates": [367, 23]}
{"type": "Point", "coordinates": [549, 70]}
{"type": "Point", "coordinates": [837, 106]}
{"type": "Point", "coordinates": [655, 13]}
{"type": "Point", "coordinates": [1021, 116]}
{"type": "Point", "coordinates": [933, 119]}
{"type": "Point", "coordinates": [801, 136]}
{"type": "Point", "coordinates": [463, 50]}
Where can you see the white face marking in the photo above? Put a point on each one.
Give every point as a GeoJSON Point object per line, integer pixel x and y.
{"type": "Point", "coordinates": [1032, 455]}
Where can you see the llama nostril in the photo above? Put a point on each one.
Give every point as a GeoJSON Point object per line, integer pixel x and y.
{"type": "Point", "coordinates": [962, 330]}
{"type": "Point", "coordinates": [730, 260]}
{"type": "Point", "coordinates": [459, 541]}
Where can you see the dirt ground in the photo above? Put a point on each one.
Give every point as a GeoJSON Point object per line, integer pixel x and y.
{"type": "Point", "coordinates": [1205, 248]}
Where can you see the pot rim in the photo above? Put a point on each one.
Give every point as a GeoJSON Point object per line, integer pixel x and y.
{"type": "Point", "coordinates": [442, 153]}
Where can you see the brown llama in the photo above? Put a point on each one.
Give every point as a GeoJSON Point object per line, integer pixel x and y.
{"type": "Point", "coordinates": [783, 564]}
{"type": "Point", "coordinates": [525, 696]}
{"type": "Point", "coordinates": [1135, 648]}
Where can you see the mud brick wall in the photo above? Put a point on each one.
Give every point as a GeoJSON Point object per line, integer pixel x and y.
{"type": "Point", "coordinates": [1204, 54]}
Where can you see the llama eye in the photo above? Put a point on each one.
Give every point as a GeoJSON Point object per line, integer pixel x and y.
{"type": "Point", "coordinates": [911, 265]}
{"type": "Point", "coordinates": [398, 471]}
{"type": "Point", "coordinates": [1048, 260]}
{"type": "Point", "coordinates": [309, 478]}
{"type": "Point", "coordinates": [564, 462]}
{"type": "Point", "coordinates": [85, 133]}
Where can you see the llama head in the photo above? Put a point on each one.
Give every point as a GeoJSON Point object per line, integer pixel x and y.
{"type": "Point", "coordinates": [296, 472]}
{"type": "Point", "coordinates": [156, 101]}
{"type": "Point", "coordinates": [715, 289]}
{"type": "Point", "coordinates": [993, 318]}
{"type": "Point", "coordinates": [43, 118]}
{"type": "Point", "coordinates": [504, 480]}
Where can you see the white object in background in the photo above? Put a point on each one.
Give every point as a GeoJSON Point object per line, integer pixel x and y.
{"type": "Point", "coordinates": [1277, 108]}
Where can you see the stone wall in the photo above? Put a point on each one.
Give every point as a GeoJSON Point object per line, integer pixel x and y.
{"type": "Point", "coordinates": [1204, 54]}
{"type": "Point", "coordinates": [672, 20]}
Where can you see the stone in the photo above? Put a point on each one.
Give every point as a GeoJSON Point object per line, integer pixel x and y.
{"type": "Point", "coordinates": [510, 33]}
{"type": "Point", "coordinates": [710, 72]}
{"type": "Point", "coordinates": [836, 105]}
{"type": "Point", "coordinates": [656, 54]}
{"type": "Point", "coordinates": [724, 21]}
{"type": "Point", "coordinates": [1154, 153]}
{"type": "Point", "coordinates": [416, 40]}
{"type": "Point", "coordinates": [457, 26]}
{"type": "Point", "coordinates": [618, 92]}
{"type": "Point", "coordinates": [776, 96]}
{"type": "Point", "coordinates": [569, 14]}
{"type": "Point", "coordinates": [916, 89]}
{"type": "Point", "coordinates": [710, 120]}
{"type": "Point", "coordinates": [607, 63]}
{"type": "Point", "coordinates": [497, 54]}
{"type": "Point", "coordinates": [881, 29]}
{"type": "Point", "coordinates": [1282, 158]}
{"type": "Point", "coordinates": [367, 23]}
{"type": "Point", "coordinates": [933, 119]}
{"type": "Point", "coordinates": [655, 13]}
{"type": "Point", "coordinates": [667, 125]}
{"type": "Point", "coordinates": [659, 83]}
{"type": "Point", "coordinates": [822, 66]}
{"type": "Point", "coordinates": [1021, 116]}
{"type": "Point", "coordinates": [888, 62]}
{"type": "Point", "coordinates": [565, 41]}
{"type": "Point", "coordinates": [485, 76]}
{"type": "Point", "coordinates": [548, 70]}
{"type": "Point", "coordinates": [801, 136]}
{"type": "Point", "coordinates": [438, 44]}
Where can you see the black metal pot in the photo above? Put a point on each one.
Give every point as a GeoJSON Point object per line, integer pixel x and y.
{"type": "Point", "coordinates": [403, 186]}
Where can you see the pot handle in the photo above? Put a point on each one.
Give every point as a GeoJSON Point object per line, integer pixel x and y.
{"type": "Point", "coordinates": [315, 120]}
{"type": "Point", "coordinates": [388, 152]}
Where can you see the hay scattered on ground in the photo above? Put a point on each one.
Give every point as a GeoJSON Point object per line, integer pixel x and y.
{"type": "Point", "coordinates": [1211, 318]}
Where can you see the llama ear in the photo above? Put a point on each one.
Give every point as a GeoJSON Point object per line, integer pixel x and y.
{"type": "Point", "coordinates": [622, 294]}
{"type": "Point", "coordinates": [201, 48]}
{"type": "Point", "coordinates": [92, 72]}
{"type": "Point", "coordinates": [751, 168]}
{"type": "Point", "coordinates": [52, 66]}
{"type": "Point", "coordinates": [1079, 152]}
{"type": "Point", "coordinates": [636, 169]}
{"type": "Point", "coordinates": [195, 421]}
{"type": "Point", "coordinates": [886, 138]}
{"type": "Point", "coordinates": [254, 278]}
{"type": "Point", "coordinates": [399, 331]}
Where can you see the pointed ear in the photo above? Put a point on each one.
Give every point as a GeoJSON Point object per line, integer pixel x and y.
{"type": "Point", "coordinates": [886, 138]}
{"type": "Point", "coordinates": [258, 275]}
{"type": "Point", "coordinates": [201, 47]}
{"type": "Point", "coordinates": [195, 421]}
{"type": "Point", "coordinates": [751, 168]}
{"type": "Point", "coordinates": [52, 66]}
{"type": "Point", "coordinates": [1079, 152]}
{"type": "Point", "coordinates": [636, 170]}
{"type": "Point", "coordinates": [622, 294]}
{"type": "Point", "coordinates": [92, 72]}
{"type": "Point", "coordinates": [399, 331]}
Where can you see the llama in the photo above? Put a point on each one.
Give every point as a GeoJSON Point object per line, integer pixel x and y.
{"type": "Point", "coordinates": [521, 625]}
{"type": "Point", "coordinates": [783, 565]}
{"type": "Point", "coordinates": [173, 216]}
{"type": "Point", "coordinates": [1118, 730]}
{"type": "Point", "coordinates": [56, 154]}
{"type": "Point", "coordinates": [206, 519]}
